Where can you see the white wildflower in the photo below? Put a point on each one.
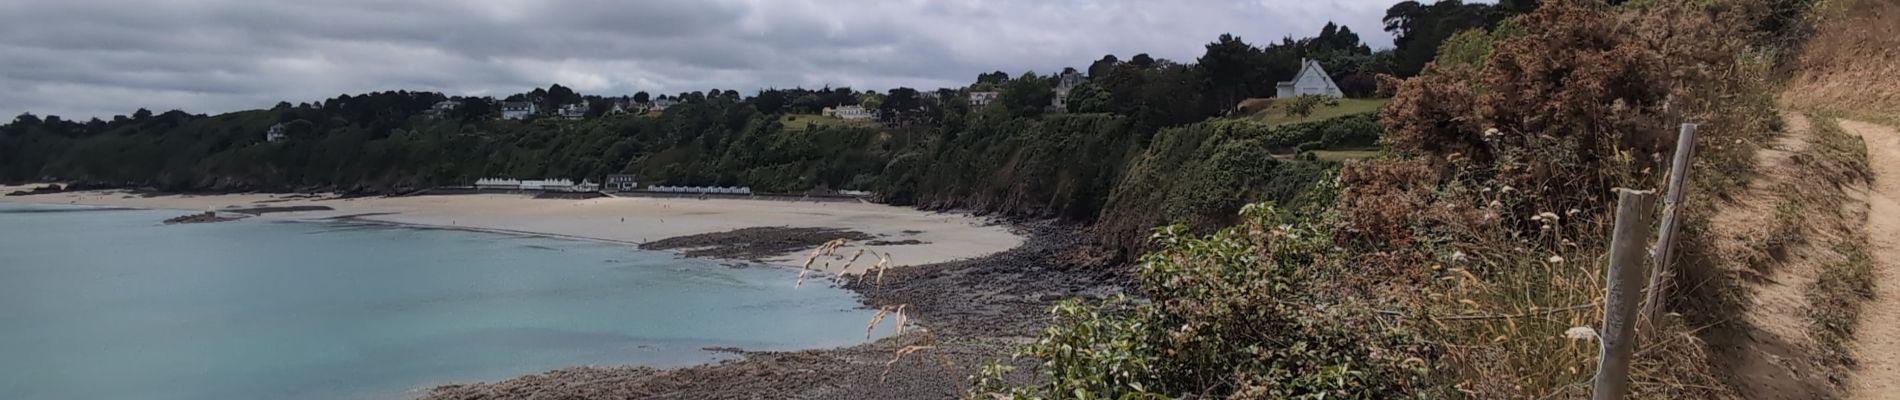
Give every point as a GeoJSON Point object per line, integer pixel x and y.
{"type": "Point", "coordinates": [1549, 216]}
{"type": "Point", "coordinates": [1574, 211]}
{"type": "Point", "coordinates": [1556, 259]}
{"type": "Point", "coordinates": [1581, 333]}
{"type": "Point", "coordinates": [1458, 256]}
{"type": "Point", "coordinates": [1508, 189]}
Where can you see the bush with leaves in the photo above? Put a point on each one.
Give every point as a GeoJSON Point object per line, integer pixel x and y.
{"type": "Point", "coordinates": [1233, 313]}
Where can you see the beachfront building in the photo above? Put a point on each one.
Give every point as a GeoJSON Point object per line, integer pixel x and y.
{"type": "Point", "coordinates": [1067, 83]}
{"type": "Point", "coordinates": [701, 190]}
{"type": "Point", "coordinates": [276, 133]}
{"type": "Point", "coordinates": [1312, 80]}
{"type": "Point", "coordinates": [497, 184]}
{"type": "Point", "coordinates": [544, 185]}
{"type": "Point", "coordinates": [849, 112]}
{"type": "Point", "coordinates": [574, 111]}
{"type": "Point", "coordinates": [518, 109]}
{"type": "Point", "coordinates": [621, 183]}
{"type": "Point", "coordinates": [979, 99]}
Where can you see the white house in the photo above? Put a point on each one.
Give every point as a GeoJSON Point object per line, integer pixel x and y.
{"type": "Point", "coordinates": [849, 112]}
{"type": "Point", "coordinates": [517, 109]}
{"type": "Point", "coordinates": [1312, 79]}
{"type": "Point", "coordinates": [276, 133]}
{"type": "Point", "coordinates": [574, 111]}
{"type": "Point", "coordinates": [622, 182]}
{"type": "Point", "coordinates": [441, 109]}
{"type": "Point", "coordinates": [661, 104]}
{"type": "Point", "coordinates": [979, 99]}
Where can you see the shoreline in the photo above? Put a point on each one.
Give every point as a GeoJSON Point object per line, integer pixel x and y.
{"type": "Point", "coordinates": [967, 312]}
{"type": "Point", "coordinates": [913, 237]}
{"type": "Point", "coordinates": [971, 308]}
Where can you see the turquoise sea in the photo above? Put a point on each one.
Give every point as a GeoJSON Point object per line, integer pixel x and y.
{"type": "Point", "coordinates": [100, 303]}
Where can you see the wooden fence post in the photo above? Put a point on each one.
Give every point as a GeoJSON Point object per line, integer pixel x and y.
{"type": "Point", "coordinates": [1666, 241]}
{"type": "Point", "coordinates": [1634, 210]}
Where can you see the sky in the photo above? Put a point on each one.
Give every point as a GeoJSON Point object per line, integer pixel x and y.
{"type": "Point", "coordinates": [97, 58]}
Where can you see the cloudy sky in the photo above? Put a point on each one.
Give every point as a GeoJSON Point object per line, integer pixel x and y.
{"type": "Point", "coordinates": [87, 58]}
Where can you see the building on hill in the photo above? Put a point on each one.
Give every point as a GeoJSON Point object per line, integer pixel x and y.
{"type": "Point", "coordinates": [661, 104]}
{"type": "Point", "coordinates": [1312, 79]}
{"type": "Point", "coordinates": [619, 107]}
{"type": "Point", "coordinates": [849, 112]}
{"type": "Point", "coordinates": [1065, 84]}
{"type": "Point", "coordinates": [442, 109]}
{"type": "Point", "coordinates": [574, 111]}
{"type": "Point", "coordinates": [518, 109]}
{"type": "Point", "coordinates": [276, 133]}
{"type": "Point", "coordinates": [979, 99]}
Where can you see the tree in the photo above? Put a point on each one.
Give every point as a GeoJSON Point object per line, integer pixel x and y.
{"type": "Point", "coordinates": [995, 78]}
{"type": "Point", "coordinates": [1142, 60]}
{"type": "Point", "coordinates": [1418, 30]}
{"type": "Point", "coordinates": [1101, 68]}
{"type": "Point", "coordinates": [1231, 70]}
{"type": "Point", "coordinates": [899, 102]}
{"type": "Point", "coordinates": [141, 114]}
{"type": "Point", "coordinates": [642, 97]}
{"type": "Point", "coordinates": [1027, 95]}
{"type": "Point", "coordinates": [1304, 104]}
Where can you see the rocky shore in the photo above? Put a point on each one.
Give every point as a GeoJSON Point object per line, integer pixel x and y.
{"type": "Point", "coordinates": [753, 244]}
{"type": "Point", "coordinates": [200, 218]}
{"type": "Point", "coordinates": [972, 311]}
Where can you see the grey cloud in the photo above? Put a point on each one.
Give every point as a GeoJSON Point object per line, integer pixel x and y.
{"type": "Point", "coordinates": [85, 58]}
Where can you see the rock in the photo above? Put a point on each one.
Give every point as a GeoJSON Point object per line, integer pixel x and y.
{"type": "Point", "coordinates": [204, 217]}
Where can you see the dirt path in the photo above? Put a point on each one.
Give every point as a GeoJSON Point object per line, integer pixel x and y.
{"type": "Point", "coordinates": [1878, 344]}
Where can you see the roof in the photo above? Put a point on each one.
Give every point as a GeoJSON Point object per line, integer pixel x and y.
{"type": "Point", "coordinates": [1307, 65]}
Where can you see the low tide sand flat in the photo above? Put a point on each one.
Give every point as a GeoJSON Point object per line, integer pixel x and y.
{"type": "Point", "coordinates": [915, 237]}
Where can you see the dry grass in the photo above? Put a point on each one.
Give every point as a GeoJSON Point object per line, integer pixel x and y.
{"type": "Point", "coordinates": [1851, 65]}
{"type": "Point", "coordinates": [1846, 280]}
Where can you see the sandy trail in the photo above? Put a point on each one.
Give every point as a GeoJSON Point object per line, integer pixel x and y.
{"type": "Point", "coordinates": [1877, 344]}
{"type": "Point", "coordinates": [939, 237]}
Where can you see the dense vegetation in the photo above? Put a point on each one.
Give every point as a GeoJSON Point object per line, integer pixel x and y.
{"type": "Point", "coordinates": [1457, 267]}
{"type": "Point", "coordinates": [1014, 157]}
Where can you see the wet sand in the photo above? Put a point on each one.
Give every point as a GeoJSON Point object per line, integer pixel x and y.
{"type": "Point", "coordinates": [911, 237]}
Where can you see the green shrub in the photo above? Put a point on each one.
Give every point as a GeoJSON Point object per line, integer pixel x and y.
{"type": "Point", "coordinates": [1227, 314]}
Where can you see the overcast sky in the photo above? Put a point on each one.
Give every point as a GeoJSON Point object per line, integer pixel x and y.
{"type": "Point", "coordinates": [97, 58]}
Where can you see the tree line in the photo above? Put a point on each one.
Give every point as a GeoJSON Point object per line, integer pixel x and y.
{"type": "Point", "coordinates": [1013, 157]}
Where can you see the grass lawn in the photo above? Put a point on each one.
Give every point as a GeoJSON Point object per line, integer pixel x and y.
{"type": "Point", "coordinates": [1275, 114]}
{"type": "Point", "coordinates": [798, 122]}
{"type": "Point", "coordinates": [1346, 154]}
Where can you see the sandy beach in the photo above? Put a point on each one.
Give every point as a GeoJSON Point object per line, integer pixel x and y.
{"type": "Point", "coordinates": [933, 237]}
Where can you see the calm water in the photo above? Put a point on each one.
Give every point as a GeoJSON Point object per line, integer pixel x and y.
{"type": "Point", "coordinates": [109, 304]}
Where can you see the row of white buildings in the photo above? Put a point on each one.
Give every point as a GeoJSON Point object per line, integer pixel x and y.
{"type": "Point", "coordinates": [525, 109]}
{"type": "Point", "coordinates": [547, 185]}
{"type": "Point", "coordinates": [701, 189]}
